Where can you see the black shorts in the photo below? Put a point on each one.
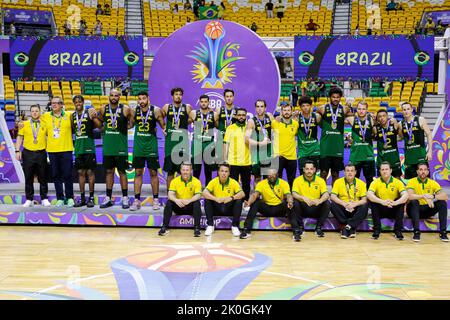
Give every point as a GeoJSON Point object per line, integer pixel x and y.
{"type": "Point", "coordinates": [170, 167]}
{"type": "Point", "coordinates": [302, 160]}
{"type": "Point", "coordinates": [257, 168]}
{"type": "Point", "coordinates": [86, 161]}
{"type": "Point", "coordinates": [119, 162]}
{"type": "Point", "coordinates": [152, 162]}
{"type": "Point", "coordinates": [336, 164]}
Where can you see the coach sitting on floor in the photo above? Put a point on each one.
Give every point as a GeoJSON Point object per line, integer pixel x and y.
{"type": "Point", "coordinates": [276, 201]}
{"type": "Point", "coordinates": [183, 198]}
{"type": "Point", "coordinates": [310, 198]}
{"type": "Point", "coordinates": [224, 197]}
{"type": "Point", "coordinates": [387, 197]}
{"type": "Point", "coordinates": [349, 202]}
{"type": "Point", "coordinates": [426, 199]}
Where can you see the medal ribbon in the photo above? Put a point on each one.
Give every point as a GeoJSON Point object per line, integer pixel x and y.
{"type": "Point", "coordinates": [35, 129]}
{"type": "Point", "coordinates": [347, 187]}
{"type": "Point", "coordinates": [113, 117]}
{"type": "Point", "coordinates": [307, 127]}
{"type": "Point", "coordinates": [79, 120]}
{"type": "Point", "coordinates": [362, 128]}
{"type": "Point", "coordinates": [204, 122]}
{"type": "Point", "coordinates": [334, 116]}
{"type": "Point", "coordinates": [144, 120]}
{"type": "Point", "coordinates": [228, 119]}
{"type": "Point", "coordinates": [384, 132]}
{"type": "Point", "coordinates": [262, 126]}
{"type": "Point", "coordinates": [176, 118]}
{"type": "Point", "coordinates": [410, 129]}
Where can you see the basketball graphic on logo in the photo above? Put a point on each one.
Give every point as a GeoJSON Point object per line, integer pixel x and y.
{"type": "Point", "coordinates": [214, 30]}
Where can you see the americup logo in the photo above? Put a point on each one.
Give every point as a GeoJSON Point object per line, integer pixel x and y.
{"type": "Point", "coordinates": [214, 62]}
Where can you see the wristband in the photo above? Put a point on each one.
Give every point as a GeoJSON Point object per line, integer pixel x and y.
{"type": "Point", "coordinates": [17, 151]}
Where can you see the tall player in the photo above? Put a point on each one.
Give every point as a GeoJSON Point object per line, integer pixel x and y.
{"type": "Point", "coordinates": [414, 129]}
{"type": "Point", "coordinates": [145, 149]}
{"type": "Point", "coordinates": [116, 119]}
{"type": "Point", "coordinates": [308, 143]}
{"type": "Point", "coordinates": [84, 121]}
{"type": "Point", "coordinates": [361, 151]}
{"type": "Point", "coordinates": [332, 136]}
{"type": "Point", "coordinates": [224, 117]}
{"type": "Point", "coordinates": [386, 131]}
{"type": "Point", "coordinates": [259, 135]}
{"type": "Point", "coordinates": [202, 148]}
{"type": "Point", "coordinates": [176, 147]}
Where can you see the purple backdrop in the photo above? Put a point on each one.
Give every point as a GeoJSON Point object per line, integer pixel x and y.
{"type": "Point", "coordinates": [236, 58]}
{"type": "Point", "coordinates": [7, 170]}
{"type": "Point", "coordinates": [374, 57]}
{"type": "Point", "coordinates": [4, 45]}
{"type": "Point", "coordinates": [27, 16]}
{"type": "Point", "coordinates": [443, 15]}
{"type": "Point", "coordinates": [87, 58]}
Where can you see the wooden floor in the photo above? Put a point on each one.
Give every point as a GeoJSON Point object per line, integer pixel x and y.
{"type": "Point", "coordinates": [67, 263]}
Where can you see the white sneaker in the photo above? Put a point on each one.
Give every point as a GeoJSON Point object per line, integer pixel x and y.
{"type": "Point", "coordinates": [246, 209]}
{"type": "Point", "coordinates": [28, 204]}
{"type": "Point", "coordinates": [235, 231]}
{"type": "Point", "coordinates": [156, 204]}
{"type": "Point", "coordinates": [46, 203]}
{"type": "Point", "coordinates": [209, 230]}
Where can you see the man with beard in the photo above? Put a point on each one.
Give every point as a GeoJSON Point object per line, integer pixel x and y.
{"type": "Point", "coordinates": [84, 121]}
{"type": "Point", "coordinates": [145, 149]}
{"type": "Point", "coordinates": [176, 147]}
{"type": "Point", "coordinates": [276, 201]}
{"type": "Point", "coordinates": [237, 151]}
{"type": "Point", "coordinates": [285, 143]}
{"type": "Point", "coordinates": [116, 119]}
{"type": "Point", "coordinates": [332, 136]}
{"type": "Point", "coordinates": [202, 148]}
{"type": "Point", "coordinates": [361, 151]}
{"type": "Point", "coordinates": [426, 199]}
{"type": "Point", "coordinates": [310, 198]}
{"type": "Point", "coordinates": [414, 129]}
{"type": "Point", "coordinates": [386, 132]}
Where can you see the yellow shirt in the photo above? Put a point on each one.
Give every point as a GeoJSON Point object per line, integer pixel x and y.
{"type": "Point", "coordinates": [275, 196]}
{"type": "Point", "coordinates": [387, 191]}
{"type": "Point", "coordinates": [228, 189]}
{"type": "Point", "coordinates": [347, 192]}
{"type": "Point", "coordinates": [28, 137]}
{"type": "Point", "coordinates": [284, 139]}
{"type": "Point", "coordinates": [62, 141]}
{"type": "Point", "coordinates": [312, 189]}
{"type": "Point", "coordinates": [185, 190]}
{"type": "Point", "coordinates": [238, 151]}
{"type": "Point", "coordinates": [428, 187]}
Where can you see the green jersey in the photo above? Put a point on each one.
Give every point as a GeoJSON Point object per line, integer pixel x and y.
{"type": "Point", "coordinates": [115, 124]}
{"type": "Point", "coordinates": [263, 128]}
{"type": "Point", "coordinates": [145, 141]}
{"type": "Point", "coordinates": [203, 137]}
{"type": "Point", "coordinates": [414, 137]}
{"type": "Point", "coordinates": [177, 129]}
{"type": "Point", "coordinates": [332, 136]}
{"type": "Point", "coordinates": [387, 145]}
{"type": "Point", "coordinates": [83, 128]}
{"type": "Point", "coordinates": [308, 143]}
{"type": "Point", "coordinates": [362, 146]}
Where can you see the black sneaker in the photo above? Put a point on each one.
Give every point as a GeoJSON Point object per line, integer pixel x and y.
{"type": "Point", "coordinates": [163, 231]}
{"type": "Point", "coordinates": [297, 236]}
{"type": "Point", "coordinates": [106, 203]}
{"type": "Point", "coordinates": [416, 236]}
{"type": "Point", "coordinates": [345, 233]}
{"type": "Point", "coordinates": [90, 203]}
{"type": "Point", "coordinates": [443, 236]}
{"type": "Point", "coordinates": [245, 234]}
{"type": "Point", "coordinates": [352, 233]}
{"type": "Point", "coordinates": [375, 234]}
{"type": "Point", "coordinates": [302, 232]}
{"type": "Point", "coordinates": [398, 235]}
{"type": "Point", "coordinates": [80, 203]}
{"type": "Point", "coordinates": [319, 232]}
{"type": "Point", "coordinates": [197, 232]}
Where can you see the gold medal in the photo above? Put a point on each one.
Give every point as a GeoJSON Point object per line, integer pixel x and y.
{"type": "Point", "coordinates": [334, 125]}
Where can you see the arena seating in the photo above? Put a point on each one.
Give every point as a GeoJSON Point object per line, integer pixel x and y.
{"type": "Point", "coordinates": [160, 21]}
{"type": "Point", "coordinates": [395, 21]}
{"type": "Point", "coordinates": [74, 10]}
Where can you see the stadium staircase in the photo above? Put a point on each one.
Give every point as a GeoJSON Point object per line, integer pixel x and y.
{"type": "Point", "coordinates": [341, 19]}
{"type": "Point", "coordinates": [25, 100]}
{"type": "Point", "coordinates": [432, 106]}
{"type": "Point", "coordinates": [133, 17]}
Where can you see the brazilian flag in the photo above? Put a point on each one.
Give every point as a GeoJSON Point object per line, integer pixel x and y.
{"type": "Point", "coordinates": [209, 12]}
